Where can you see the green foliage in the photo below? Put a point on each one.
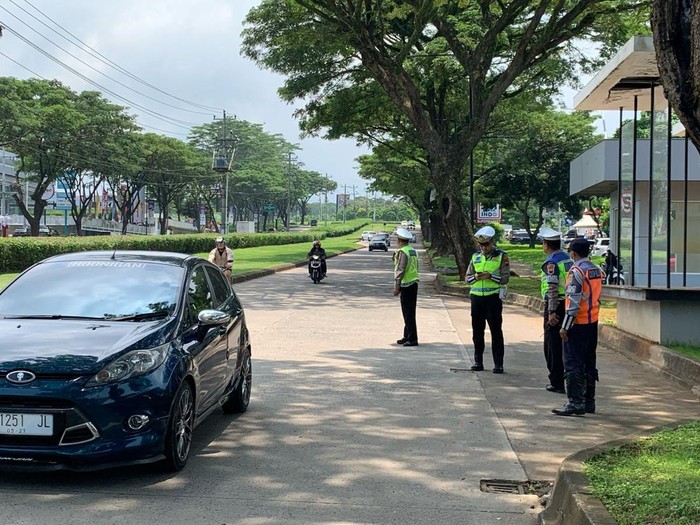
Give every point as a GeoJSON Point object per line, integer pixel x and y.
{"type": "Point", "coordinates": [652, 481]}
{"type": "Point", "coordinates": [17, 254]}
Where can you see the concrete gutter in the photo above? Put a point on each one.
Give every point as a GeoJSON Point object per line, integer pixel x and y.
{"type": "Point", "coordinates": [571, 501]}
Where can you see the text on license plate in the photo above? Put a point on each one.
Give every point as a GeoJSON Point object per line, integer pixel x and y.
{"type": "Point", "coordinates": [26, 424]}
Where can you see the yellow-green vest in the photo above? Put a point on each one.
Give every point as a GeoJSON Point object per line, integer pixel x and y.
{"type": "Point", "coordinates": [563, 265]}
{"type": "Point", "coordinates": [410, 276]}
{"type": "Point", "coordinates": [482, 264]}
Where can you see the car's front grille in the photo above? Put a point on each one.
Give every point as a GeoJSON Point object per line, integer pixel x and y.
{"type": "Point", "coordinates": [69, 425]}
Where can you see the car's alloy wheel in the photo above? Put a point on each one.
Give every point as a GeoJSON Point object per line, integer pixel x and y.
{"type": "Point", "coordinates": [179, 438]}
{"type": "Point", "coordinates": [240, 398]}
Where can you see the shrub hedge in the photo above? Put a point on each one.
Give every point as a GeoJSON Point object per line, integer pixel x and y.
{"type": "Point", "coordinates": [17, 254]}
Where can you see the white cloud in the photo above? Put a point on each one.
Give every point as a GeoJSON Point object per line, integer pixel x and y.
{"type": "Point", "coordinates": [187, 48]}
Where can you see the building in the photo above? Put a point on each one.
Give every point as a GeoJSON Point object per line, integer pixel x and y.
{"type": "Point", "coordinates": [654, 186]}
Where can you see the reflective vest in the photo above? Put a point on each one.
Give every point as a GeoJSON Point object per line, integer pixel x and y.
{"type": "Point", "coordinates": [590, 291]}
{"type": "Point", "coordinates": [482, 264]}
{"type": "Point", "coordinates": [563, 263]}
{"type": "Point", "coordinates": [410, 276]}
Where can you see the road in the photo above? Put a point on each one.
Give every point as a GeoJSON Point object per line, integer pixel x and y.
{"type": "Point", "coordinates": [343, 427]}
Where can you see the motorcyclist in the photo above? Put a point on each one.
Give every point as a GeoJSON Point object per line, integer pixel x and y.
{"type": "Point", "coordinates": [222, 256]}
{"type": "Point", "coordinates": [317, 250]}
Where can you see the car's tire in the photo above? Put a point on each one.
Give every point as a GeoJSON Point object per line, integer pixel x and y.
{"type": "Point", "coordinates": [239, 399]}
{"type": "Point", "coordinates": [370, 249]}
{"type": "Point", "coordinates": [178, 440]}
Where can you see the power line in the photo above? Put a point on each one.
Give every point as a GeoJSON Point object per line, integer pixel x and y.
{"type": "Point", "coordinates": [109, 62]}
{"type": "Point", "coordinates": [173, 121]}
{"type": "Point", "coordinates": [90, 66]}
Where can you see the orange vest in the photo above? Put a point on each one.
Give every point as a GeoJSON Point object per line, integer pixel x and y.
{"type": "Point", "coordinates": [590, 292]}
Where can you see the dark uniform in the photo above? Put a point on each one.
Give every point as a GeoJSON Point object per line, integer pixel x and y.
{"type": "Point", "coordinates": [486, 304]}
{"type": "Point", "coordinates": [584, 284]}
{"type": "Point", "coordinates": [554, 271]}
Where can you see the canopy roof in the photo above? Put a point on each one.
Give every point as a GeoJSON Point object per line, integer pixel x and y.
{"type": "Point", "coordinates": [585, 222]}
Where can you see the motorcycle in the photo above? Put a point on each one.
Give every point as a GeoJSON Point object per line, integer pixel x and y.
{"type": "Point", "coordinates": [615, 275]}
{"type": "Point", "coordinates": [316, 265]}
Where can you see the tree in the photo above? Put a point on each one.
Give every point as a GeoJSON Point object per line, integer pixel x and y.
{"type": "Point", "coordinates": [532, 173]}
{"type": "Point", "coordinates": [444, 65]}
{"type": "Point", "coordinates": [676, 30]}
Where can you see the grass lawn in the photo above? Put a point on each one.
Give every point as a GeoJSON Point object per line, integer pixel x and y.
{"type": "Point", "coordinates": [690, 351]}
{"type": "Point", "coordinates": [654, 481]}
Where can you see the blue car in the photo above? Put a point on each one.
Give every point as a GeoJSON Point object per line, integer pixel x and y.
{"type": "Point", "coordinates": [114, 357]}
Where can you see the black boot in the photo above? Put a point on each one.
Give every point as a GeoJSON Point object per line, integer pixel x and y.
{"type": "Point", "coordinates": [477, 367]}
{"type": "Point", "coordinates": [575, 384]}
{"type": "Point", "coordinates": [589, 397]}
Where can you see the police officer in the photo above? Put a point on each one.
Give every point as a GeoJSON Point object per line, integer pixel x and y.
{"type": "Point", "coordinates": [579, 331]}
{"type": "Point", "coordinates": [487, 275]}
{"type": "Point", "coordinates": [554, 270]}
{"type": "Point", "coordinates": [406, 284]}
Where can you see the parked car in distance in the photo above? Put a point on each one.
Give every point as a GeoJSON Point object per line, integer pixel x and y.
{"type": "Point", "coordinates": [601, 246]}
{"type": "Point", "coordinates": [314, 222]}
{"type": "Point", "coordinates": [44, 231]}
{"type": "Point", "coordinates": [378, 242]}
{"type": "Point", "coordinates": [366, 235]}
{"type": "Point", "coordinates": [522, 237]}
{"type": "Point", "coordinates": [123, 376]}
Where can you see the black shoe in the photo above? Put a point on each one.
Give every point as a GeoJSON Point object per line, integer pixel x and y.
{"type": "Point", "coordinates": [411, 343]}
{"type": "Point", "coordinates": [556, 390]}
{"type": "Point", "coordinates": [401, 341]}
{"type": "Point", "coordinates": [497, 370]}
{"type": "Point", "coordinates": [477, 367]}
{"type": "Point", "coordinates": [590, 407]}
{"type": "Point", "coordinates": [569, 410]}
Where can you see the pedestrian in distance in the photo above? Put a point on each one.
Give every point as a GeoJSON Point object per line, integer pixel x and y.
{"type": "Point", "coordinates": [579, 331]}
{"type": "Point", "coordinates": [406, 280]}
{"type": "Point", "coordinates": [554, 270]}
{"type": "Point", "coordinates": [222, 256]}
{"type": "Point", "coordinates": [487, 275]}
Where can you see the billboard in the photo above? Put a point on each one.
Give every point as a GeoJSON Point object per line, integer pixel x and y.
{"type": "Point", "coordinates": [484, 214]}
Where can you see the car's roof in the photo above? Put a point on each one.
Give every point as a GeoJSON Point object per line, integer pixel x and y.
{"type": "Point", "coordinates": [176, 259]}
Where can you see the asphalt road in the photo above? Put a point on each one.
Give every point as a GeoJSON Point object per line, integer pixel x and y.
{"type": "Point", "coordinates": [343, 426]}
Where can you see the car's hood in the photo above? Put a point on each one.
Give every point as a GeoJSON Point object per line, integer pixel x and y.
{"type": "Point", "coordinates": [61, 346]}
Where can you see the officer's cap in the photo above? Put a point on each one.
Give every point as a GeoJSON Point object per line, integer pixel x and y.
{"type": "Point", "coordinates": [403, 233]}
{"type": "Point", "coordinates": [548, 234]}
{"type": "Point", "coordinates": [485, 234]}
{"type": "Point", "coordinates": [219, 239]}
{"type": "Point", "coordinates": [581, 246]}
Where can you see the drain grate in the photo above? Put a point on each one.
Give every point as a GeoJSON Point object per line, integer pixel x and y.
{"type": "Point", "coordinates": [506, 486]}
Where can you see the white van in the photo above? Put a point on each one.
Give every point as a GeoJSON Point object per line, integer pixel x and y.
{"type": "Point", "coordinates": [601, 246]}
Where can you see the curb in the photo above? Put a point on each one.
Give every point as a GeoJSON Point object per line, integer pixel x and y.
{"type": "Point", "coordinates": [572, 500]}
{"type": "Point", "coordinates": [248, 276]}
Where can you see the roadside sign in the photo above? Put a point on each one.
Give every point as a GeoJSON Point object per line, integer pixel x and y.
{"type": "Point", "coordinates": [488, 214]}
{"type": "Point", "coordinates": [269, 207]}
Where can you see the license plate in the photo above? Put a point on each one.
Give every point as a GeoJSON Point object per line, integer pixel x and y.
{"type": "Point", "coordinates": [26, 424]}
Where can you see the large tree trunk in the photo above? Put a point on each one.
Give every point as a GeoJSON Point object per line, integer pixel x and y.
{"type": "Point", "coordinates": [676, 29]}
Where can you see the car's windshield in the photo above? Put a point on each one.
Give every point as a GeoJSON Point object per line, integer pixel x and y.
{"type": "Point", "coordinates": [378, 237]}
{"type": "Point", "coordinates": [96, 289]}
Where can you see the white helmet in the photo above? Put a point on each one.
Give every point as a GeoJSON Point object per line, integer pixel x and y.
{"type": "Point", "coordinates": [403, 233]}
{"type": "Point", "coordinates": [485, 234]}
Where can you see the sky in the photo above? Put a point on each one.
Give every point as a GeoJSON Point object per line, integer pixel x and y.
{"type": "Point", "coordinates": [187, 50]}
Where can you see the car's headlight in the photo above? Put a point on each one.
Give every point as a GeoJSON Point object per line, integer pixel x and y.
{"type": "Point", "coordinates": [135, 363]}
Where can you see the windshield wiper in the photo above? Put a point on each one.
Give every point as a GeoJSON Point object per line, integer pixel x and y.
{"type": "Point", "coordinates": [138, 317]}
{"type": "Point", "coordinates": [51, 316]}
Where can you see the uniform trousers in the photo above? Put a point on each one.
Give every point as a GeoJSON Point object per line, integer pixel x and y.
{"type": "Point", "coordinates": [487, 309]}
{"type": "Point", "coordinates": [580, 351]}
{"type": "Point", "coordinates": [553, 347]}
{"type": "Point", "coordinates": [409, 299]}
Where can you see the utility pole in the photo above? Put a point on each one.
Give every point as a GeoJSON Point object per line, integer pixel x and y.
{"type": "Point", "coordinates": [345, 200]}
{"type": "Point", "coordinates": [326, 204]}
{"type": "Point", "coordinates": [223, 159]}
{"type": "Point", "coordinates": [289, 186]}
{"type": "Point", "coordinates": [374, 200]}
